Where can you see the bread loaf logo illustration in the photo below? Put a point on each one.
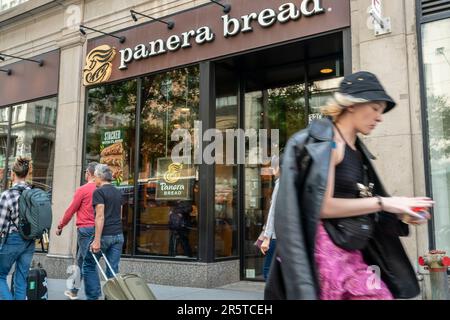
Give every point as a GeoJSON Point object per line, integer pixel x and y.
{"type": "Point", "coordinates": [173, 173]}
{"type": "Point", "coordinates": [113, 157]}
{"type": "Point", "coordinates": [98, 65]}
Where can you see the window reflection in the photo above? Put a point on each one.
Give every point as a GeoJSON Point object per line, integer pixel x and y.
{"type": "Point", "coordinates": [111, 140]}
{"type": "Point", "coordinates": [436, 58]}
{"type": "Point", "coordinates": [28, 138]}
{"type": "Point", "coordinates": [226, 221]}
{"type": "Point", "coordinates": [35, 140]}
{"type": "Point", "coordinates": [167, 222]}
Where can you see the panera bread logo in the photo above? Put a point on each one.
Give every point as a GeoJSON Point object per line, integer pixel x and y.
{"type": "Point", "coordinates": [173, 173]}
{"type": "Point", "coordinates": [98, 65]}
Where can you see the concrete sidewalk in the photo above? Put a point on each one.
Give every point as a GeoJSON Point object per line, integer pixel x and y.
{"type": "Point", "coordinates": [244, 290]}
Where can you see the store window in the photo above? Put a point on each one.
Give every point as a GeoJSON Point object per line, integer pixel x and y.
{"type": "Point", "coordinates": [226, 189]}
{"type": "Point", "coordinates": [28, 138]}
{"type": "Point", "coordinates": [167, 221]}
{"type": "Point", "coordinates": [111, 112]}
{"type": "Point", "coordinates": [436, 59]}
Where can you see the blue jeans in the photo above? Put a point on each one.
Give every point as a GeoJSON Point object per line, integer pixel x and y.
{"type": "Point", "coordinates": [19, 251]}
{"type": "Point", "coordinates": [111, 246]}
{"type": "Point", "coordinates": [84, 238]}
{"type": "Point", "coordinates": [268, 258]}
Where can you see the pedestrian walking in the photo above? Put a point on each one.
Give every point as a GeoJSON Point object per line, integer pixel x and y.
{"type": "Point", "coordinates": [269, 240]}
{"type": "Point", "coordinates": [81, 205]}
{"type": "Point", "coordinates": [108, 235]}
{"type": "Point", "coordinates": [14, 249]}
{"type": "Point", "coordinates": [334, 218]}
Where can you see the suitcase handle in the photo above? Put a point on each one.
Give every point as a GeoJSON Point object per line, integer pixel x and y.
{"type": "Point", "coordinates": [100, 267]}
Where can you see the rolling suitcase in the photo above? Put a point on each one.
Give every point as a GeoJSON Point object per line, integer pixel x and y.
{"type": "Point", "coordinates": [36, 283]}
{"type": "Point", "coordinates": [124, 286]}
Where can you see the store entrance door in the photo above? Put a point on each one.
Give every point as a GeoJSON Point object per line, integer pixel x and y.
{"type": "Point", "coordinates": [282, 109]}
{"type": "Point", "coordinates": [283, 90]}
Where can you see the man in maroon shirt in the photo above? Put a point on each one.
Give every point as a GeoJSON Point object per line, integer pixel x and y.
{"type": "Point", "coordinates": [81, 205]}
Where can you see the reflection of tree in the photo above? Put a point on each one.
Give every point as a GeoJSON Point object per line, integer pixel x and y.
{"type": "Point", "coordinates": [153, 140]}
{"type": "Point", "coordinates": [171, 101]}
{"type": "Point", "coordinates": [116, 99]}
{"type": "Point", "coordinates": [439, 129]}
{"type": "Point", "coordinates": [287, 110]}
{"type": "Point", "coordinates": [112, 107]}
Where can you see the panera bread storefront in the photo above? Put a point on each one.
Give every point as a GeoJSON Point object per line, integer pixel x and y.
{"type": "Point", "coordinates": [264, 65]}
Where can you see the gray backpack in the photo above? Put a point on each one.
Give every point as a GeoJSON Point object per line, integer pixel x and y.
{"type": "Point", "coordinates": [35, 213]}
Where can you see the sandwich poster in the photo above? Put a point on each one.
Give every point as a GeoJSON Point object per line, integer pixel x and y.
{"type": "Point", "coordinates": [112, 153]}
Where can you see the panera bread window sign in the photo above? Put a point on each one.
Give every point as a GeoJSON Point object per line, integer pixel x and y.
{"type": "Point", "coordinates": [231, 32]}
{"type": "Point", "coordinates": [173, 180]}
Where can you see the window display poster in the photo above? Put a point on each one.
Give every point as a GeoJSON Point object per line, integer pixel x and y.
{"type": "Point", "coordinates": [112, 153]}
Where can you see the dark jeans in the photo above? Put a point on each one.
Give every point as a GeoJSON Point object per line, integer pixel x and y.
{"type": "Point", "coordinates": [19, 251]}
{"type": "Point", "coordinates": [179, 236]}
{"type": "Point", "coordinates": [84, 238]}
{"type": "Point", "coordinates": [111, 246]}
{"type": "Point", "coordinates": [268, 258]}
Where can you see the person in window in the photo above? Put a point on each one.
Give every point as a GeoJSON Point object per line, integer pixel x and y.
{"type": "Point", "coordinates": [269, 240]}
{"type": "Point", "coordinates": [108, 235]}
{"type": "Point", "coordinates": [81, 205]}
{"type": "Point", "coordinates": [323, 169]}
{"type": "Point", "coordinates": [179, 226]}
{"type": "Point", "coordinates": [13, 248]}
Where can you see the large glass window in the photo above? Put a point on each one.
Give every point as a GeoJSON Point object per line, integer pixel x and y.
{"type": "Point", "coordinates": [34, 140]}
{"type": "Point", "coordinates": [436, 58]}
{"type": "Point", "coordinates": [28, 138]}
{"type": "Point", "coordinates": [167, 221]}
{"type": "Point", "coordinates": [111, 112]}
{"type": "Point", "coordinates": [226, 197]}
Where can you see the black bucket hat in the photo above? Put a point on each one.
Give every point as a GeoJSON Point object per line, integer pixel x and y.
{"type": "Point", "coordinates": [365, 85]}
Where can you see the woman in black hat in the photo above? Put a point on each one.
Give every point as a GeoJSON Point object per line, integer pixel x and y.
{"type": "Point", "coordinates": [334, 218]}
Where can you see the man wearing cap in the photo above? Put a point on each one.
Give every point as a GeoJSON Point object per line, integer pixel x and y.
{"type": "Point", "coordinates": [334, 217]}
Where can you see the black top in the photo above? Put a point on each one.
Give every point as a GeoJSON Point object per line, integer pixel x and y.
{"type": "Point", "coordinates": [348, 173]}
{"type": "Point", "coordinates": [111, 197]}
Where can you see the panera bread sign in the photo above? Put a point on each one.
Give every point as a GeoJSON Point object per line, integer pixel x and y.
{"type": "Point", "coordinates": [233, 32]}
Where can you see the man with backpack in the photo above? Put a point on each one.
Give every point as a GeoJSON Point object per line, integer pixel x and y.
{"type": "Point", "coordinates": [25, 215]}
{"type": "Point", "coordinates": [81, 205]}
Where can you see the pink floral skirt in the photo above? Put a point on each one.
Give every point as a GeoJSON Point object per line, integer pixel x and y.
{"type": "Point", "coordinates": [343, 274]}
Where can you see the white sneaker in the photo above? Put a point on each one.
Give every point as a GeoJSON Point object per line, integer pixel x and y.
{"type": "Point", "coordinates": [71, 295]}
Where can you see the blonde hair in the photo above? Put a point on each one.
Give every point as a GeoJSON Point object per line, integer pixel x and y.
{"type": "Point", "coordinates": [337, 105]}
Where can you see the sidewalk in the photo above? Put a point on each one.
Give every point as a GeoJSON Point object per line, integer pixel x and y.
{"type": "Point", "coordinates": [243, 290]}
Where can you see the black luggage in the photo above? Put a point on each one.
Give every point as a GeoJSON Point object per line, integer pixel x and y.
{"type": "Point", "coordinates": [36, 283]}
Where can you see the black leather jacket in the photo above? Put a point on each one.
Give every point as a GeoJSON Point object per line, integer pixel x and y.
{"type": "Point", "coordinates": [297, 213]}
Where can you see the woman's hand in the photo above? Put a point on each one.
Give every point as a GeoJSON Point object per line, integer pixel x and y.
{"type": "Point", "coordinates": [410, 220]}
{"type": "Point", "coordinates": [404, 205]}
{"type": "Point", "coordinates": [265, 245]}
